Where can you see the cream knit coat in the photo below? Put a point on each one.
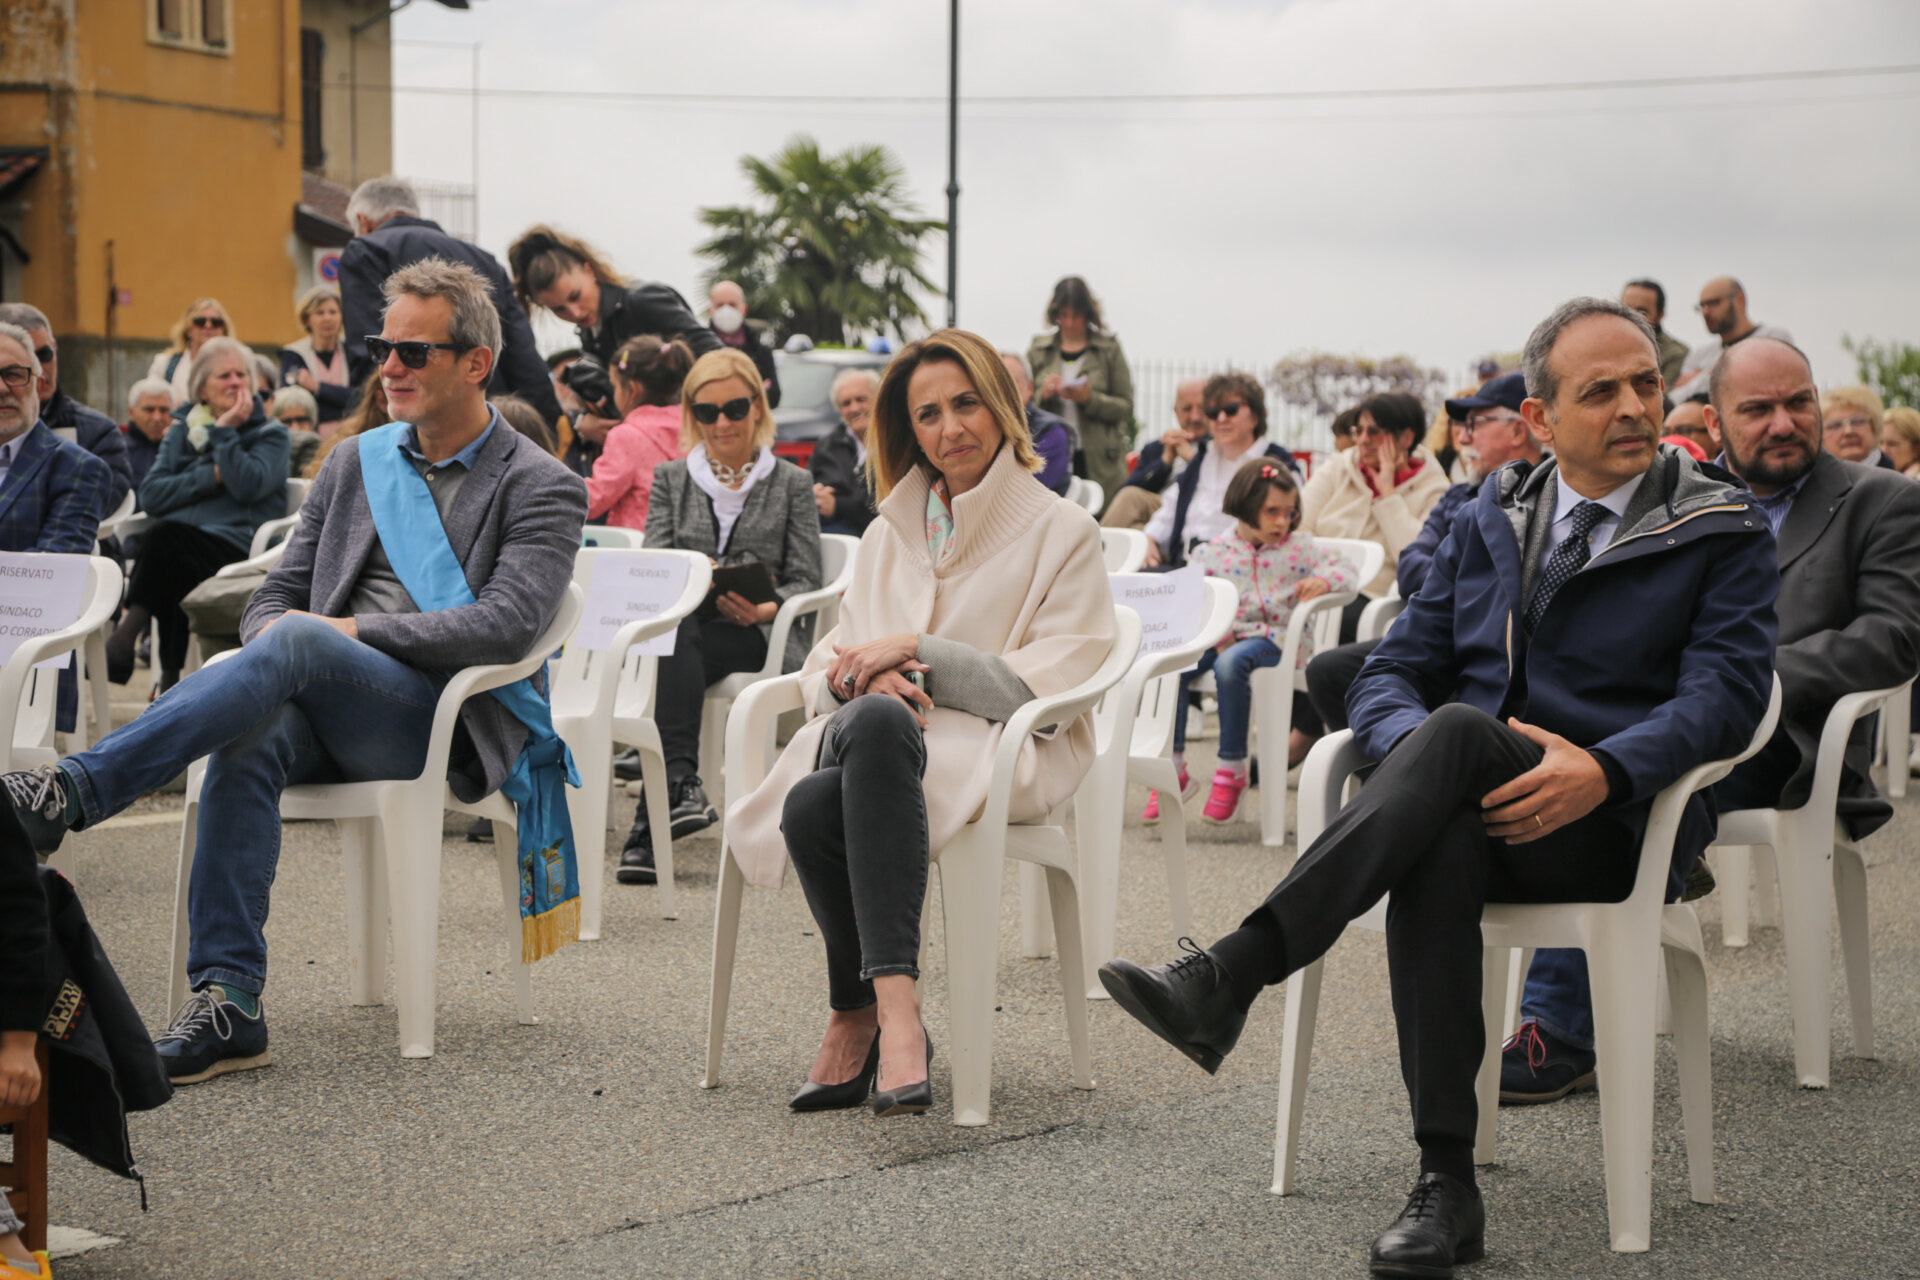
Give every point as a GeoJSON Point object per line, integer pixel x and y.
{"type": "Point", "coordinates": [1024, 580]}
{"type": "Point", "coordinates": [1338, 503]}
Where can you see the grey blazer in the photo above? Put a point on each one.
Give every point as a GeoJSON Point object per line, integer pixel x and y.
{"type": "Point", "coordinates": [515, 524]}
{"type": "Point", "coordinates": [779, 527]}
{"type": "Point", "coordinates": [1849, 611]}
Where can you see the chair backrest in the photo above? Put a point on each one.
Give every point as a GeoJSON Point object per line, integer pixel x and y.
{"type": "Point", "coordinates": [601, 535]}
{"type": "Point", "coordinates": [588, 682]}
{"type": "Point", "coordinates": [1367, 557]}
{"type": "Point", "coordinates": [297, 493]}
{"type": "Point", "coordinates": [1137, 716]}
{"type": "Point", "coordinates": [1123, 550]}
{"type": "Point", "coordinates": [111, 525]}
{"type": "Point", "coordinates": [1085, 492]}
{"type": "Point", "coordinates": [1379, 616]}
{"type": "Point", "coordinates": [30, 696]}
{"type": "Point", "coordinates": [837, 551]}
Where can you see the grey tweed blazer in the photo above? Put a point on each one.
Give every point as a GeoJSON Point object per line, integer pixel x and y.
{"type": "Point", "coordinates": [779, 527]}
{"type": "Point", "coordinates": [515, 525]}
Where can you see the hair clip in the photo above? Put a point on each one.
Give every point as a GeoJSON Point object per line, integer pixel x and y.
{"type": "Point", "coordinates": [1269, 472]}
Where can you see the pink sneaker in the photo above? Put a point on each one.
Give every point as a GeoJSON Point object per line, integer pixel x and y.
{"type": "Point", "coordinates": [1150, 816]}
{"type": "Point", "coordinates": [1224, 800]}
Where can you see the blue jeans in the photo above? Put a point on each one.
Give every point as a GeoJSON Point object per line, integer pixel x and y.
{"type": "Point", "coordinates": [1233, 669]}
{"type": "Point", "coordinates": [303, 703]}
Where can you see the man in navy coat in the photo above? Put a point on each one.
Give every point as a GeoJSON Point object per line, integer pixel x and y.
{"type": "Point", "coordinates": [1592, 628]}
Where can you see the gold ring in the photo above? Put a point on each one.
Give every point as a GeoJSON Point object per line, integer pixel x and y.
{"type": "Point", "coordinates": [1539, 821]}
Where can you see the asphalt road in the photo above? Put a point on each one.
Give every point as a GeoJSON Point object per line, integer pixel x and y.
{"type": "Point", "coordinates": [583, 1146]}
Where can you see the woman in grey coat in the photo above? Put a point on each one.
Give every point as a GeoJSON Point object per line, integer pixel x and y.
{"type": "Point", "coordinates": [733, 500]}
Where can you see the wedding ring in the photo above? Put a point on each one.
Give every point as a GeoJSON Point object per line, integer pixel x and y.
{"type": "Point", "coordinates": [1539, 821]}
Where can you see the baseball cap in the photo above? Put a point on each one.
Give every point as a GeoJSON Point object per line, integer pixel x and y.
{"type": "Point", "coordinates": [1503, 392]}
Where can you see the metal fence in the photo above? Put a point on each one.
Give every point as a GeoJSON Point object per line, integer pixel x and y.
{"type": "Point", "coordinates": [451, 204]}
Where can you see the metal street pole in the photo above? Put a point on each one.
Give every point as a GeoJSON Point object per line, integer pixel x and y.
{"type": "Point", "coordinates": [953, 160]}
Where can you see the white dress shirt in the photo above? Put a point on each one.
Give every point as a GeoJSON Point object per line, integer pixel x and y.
{"type": "Point", "coordinates": [1205, 518]}
{"type": "Point", "coordinates": [1565, 500]}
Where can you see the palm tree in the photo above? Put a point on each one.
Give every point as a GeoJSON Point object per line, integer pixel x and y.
{"type": "Point", "coordinates": [830, 249]}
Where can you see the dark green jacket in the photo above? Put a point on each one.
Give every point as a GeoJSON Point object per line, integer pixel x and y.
{"type": "Point", "coordinates": [1105, 365]}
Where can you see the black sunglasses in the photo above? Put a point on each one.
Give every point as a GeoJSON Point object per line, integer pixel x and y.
{"type": "Point", "coordinates": [736, 410]}
{"type": "Point", "coordinates": [209, 322]}
{"type": "Point", "coordinates": [1226, 410]}
{"type": "Point", "coordinates": [45, 354]}
{"type": "Point", "coordinates": [414, 355]}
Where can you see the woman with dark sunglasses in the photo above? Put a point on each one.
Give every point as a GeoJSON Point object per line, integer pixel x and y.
{"type": "Point", "coordinates": [1192, 510]}
{"type": "Point", "coordinates": [205, 319]}
{"type": "Point", "coordinates": [731, 499]}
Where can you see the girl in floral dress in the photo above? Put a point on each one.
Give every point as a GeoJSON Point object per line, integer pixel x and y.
{"type": "Point", "coordinates": [1273, 568]}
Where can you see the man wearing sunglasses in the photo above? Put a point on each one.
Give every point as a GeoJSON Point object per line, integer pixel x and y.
{"type": "Point", "coordinates": [92, 430]}
{"type": "Point", "coordinates": [340, 669]}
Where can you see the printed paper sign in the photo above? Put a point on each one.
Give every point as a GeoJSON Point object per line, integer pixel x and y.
{"type": "Point", "coordinates": [39, 594]}
{"type": "Point", "coordinates": [1171, 605]}
{"type": "Point", "coordinates": [630, 586]}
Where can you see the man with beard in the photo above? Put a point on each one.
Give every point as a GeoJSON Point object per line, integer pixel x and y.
{"type": "Point", "coordinates": [1496, 435]}
{"type": "Point", "coordinates": [1590, 630]}
{"type": "Point", "coordinates": [1723, 308]}
{"type": "Point", "coordinates": [1849, 611]}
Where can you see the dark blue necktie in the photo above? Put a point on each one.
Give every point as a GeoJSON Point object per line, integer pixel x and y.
{"type": "Point", "coordinates": [1566, 560]}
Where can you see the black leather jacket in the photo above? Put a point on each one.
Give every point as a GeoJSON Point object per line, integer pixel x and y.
{"type": "Point", "coordinates": [652, 308]}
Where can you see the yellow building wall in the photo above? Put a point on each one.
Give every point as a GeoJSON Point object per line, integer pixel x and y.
{"type": "Point", "coordinates": [187, 162]}
{"type": "Point", "coordinates": [366, 61]}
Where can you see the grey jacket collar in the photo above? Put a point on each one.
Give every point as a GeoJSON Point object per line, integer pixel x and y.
{"type": "Point", "coordinates": [1814, 506]}
{"type": "Point", "coordinates": [1675, 488]}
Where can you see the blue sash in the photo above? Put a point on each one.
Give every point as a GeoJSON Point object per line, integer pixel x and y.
{"type": "Point", "coordinates": [416, 544]}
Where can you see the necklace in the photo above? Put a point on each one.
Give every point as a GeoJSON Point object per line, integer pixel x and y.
{"type": "Point", "coordinates": [732, 477]}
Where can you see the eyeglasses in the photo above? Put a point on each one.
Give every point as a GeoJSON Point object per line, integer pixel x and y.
{"type": "Point", "coordinates": [45, 354]}
{"type": "Point", "coordinates": [1704, 303]}
{"type": "Point", "coordinates": [414, 355]}
{"type": "Point", "coordinates": [209, 322]}
{"type": "Point", "coordinates": [16, 376]}
{"type": "Point", "coordinates": [300, 420]}
{"type": "Point", "coordinates": [1856, 423]}
{"type": "Point", "coordinates": [1226, 410]}
{"type": "Point", "coordinates": [736, 410]}
{"type": "Point", "coordinates": [1471, 425]}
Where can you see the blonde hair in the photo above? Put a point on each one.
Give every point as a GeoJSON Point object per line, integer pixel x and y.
{"type": "Point", "coordinates": [1861, 398]}
{"type": "Point", "coordinates": [371, 412]}
{"type": "Point", "coordinates": [718, 366]}
{"type": "Point", "coordinates": [892, 448]}
{"type": "Point", "coordinates": [310, 301]}
{"type": "Point", "coordinates": [177, 336]}
{"type": "Point", "coordinates": [1905, 423]}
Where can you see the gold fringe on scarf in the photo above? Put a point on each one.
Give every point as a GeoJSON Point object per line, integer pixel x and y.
{"type": "Point", "coordinates": [544, 934]}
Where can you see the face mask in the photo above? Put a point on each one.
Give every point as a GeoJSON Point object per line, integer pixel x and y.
{"type": "Point", "coordinates": [728, 319]}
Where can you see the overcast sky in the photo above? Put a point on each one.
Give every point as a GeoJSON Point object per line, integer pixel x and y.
{"type": "Point", "coordinates": [1442, 227]}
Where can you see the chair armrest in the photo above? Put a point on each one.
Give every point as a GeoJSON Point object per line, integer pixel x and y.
{"type": "Point", "coordinates": [1297, 623]}
{"type": "Point", "coordinates": [1833, 739]}
{"type": "Point", "coordinates": [138, 522]}
{"type": "Point", "coordinates": [1379, 616]}
{"type": "Point", "coordinates": [262, 563]}
{"type": "Point", "coordinates": [263, 536]}
{"type": "Point", "coordinates": [19, 668]}
{"type": "Point", "coordinates": [749, 723]}
{"type": "Point", "coordinates": [1323, 781]}
{"type": "Point", "coordinates": [792, 609]}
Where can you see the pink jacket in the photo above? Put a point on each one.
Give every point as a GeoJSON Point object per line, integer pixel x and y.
{"type": "Point", "coordinates": [1268, 579]}
{"type": "Point", "coordinates": [622, 479]}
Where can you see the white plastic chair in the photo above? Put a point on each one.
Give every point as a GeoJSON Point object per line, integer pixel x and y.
{"type": "Point", "coordinates": [96, 711]}
{"type": "Point", "coordinates": [283, 526]}
{"type": "Point", "coordinates": [1378, 616]}
{"type": "Point", "coordinates": [970, 881]}
{"type": "Point", "coordinates": [30, 698]}
{"type": "Point", "coordinates": [1896, 732]}
{"type": "Point", "coordinates": [606, 696]}
{"type": "Point", "coordinates": [1625, 943]}
{"type": "Point", "coordinates": [1274, 687]}
{"type": "Point", "coordinates": [837, 551]}
{"type": "Point", "coordinates": [1123, 550]}
{"type": "Point", "coordinates": [110, 527]}
{"type": "Point", "coordinates": [390, 851]}
{"type": "Point", "coordinates": [1133, 735]}
{"type": "Point", "coordinates": [1819, 868]}
{"type": "Point", "coordinates": [1086, 493]}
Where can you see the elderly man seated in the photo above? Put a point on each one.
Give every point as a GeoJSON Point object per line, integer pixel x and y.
{"type": "Point", "coordinates": [443, 540]}
{"type": "Point", "coordinates": [92, 430]}
{"type": "Point", "coordinates": [53, 493]}
{"type": "Point", "coordinates": [1594, 627]}
{"type": "Point", "coordinates": [1849, 611]}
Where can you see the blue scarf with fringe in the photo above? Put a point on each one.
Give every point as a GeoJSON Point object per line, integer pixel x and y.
{"type": "Point", "coordinates": [408, 522]}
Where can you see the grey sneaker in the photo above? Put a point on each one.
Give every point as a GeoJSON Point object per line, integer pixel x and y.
{"type": "Point", "coordinates": [39, 800]}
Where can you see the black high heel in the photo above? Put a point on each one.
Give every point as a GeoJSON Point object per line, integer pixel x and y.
{"type": "Point", "coordinates": [909, 1100]}
{"type": "Point", "coordinates": [848, 1093]}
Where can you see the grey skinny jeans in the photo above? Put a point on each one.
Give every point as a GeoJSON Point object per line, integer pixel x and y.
{"type": "Point", "coordinates": [856, 829]}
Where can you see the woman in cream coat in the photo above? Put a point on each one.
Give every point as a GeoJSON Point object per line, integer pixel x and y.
{"type": "Point", "coordinates": [986, 589]}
